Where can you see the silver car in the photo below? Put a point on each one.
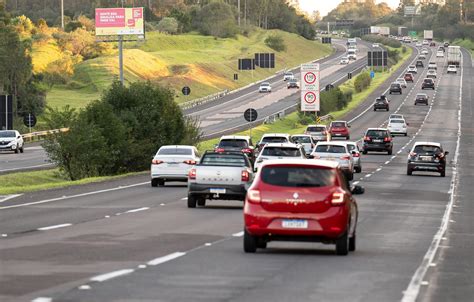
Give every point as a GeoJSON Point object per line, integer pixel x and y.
{"type": "Point", "coordinates": [305, 140]}
{"type": "Point", "coordinates": [173, 163]}
{"type": "Point", "coordinates": [280, 151]}
{"type": "Point", "coordinates": [354, 150]}
{"type": "Point", "coordinates": [338, 152]}
{"type": "Point", "coordinates": [318, 132]}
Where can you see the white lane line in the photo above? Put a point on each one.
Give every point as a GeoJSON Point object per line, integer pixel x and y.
{"type": "Point", "coordinates": [84, 287]}
{"type": "Point", "coordinates": [379, 169]}
{"type": "Point", "coordinates": [111, 275]}
{"type": "Point", "coordinates": [73, 196]}
{"type": "Point", "coordinates": [166, 258]}
{"type": "Point", "coordinates": [387, 162]}
{"type": "Point", "coordinates": [138, 210]}
{"type": "Point", "coordinates": [355, 183]}
{"type": "Point", "coordinates": [10, 197]}
{"type": "Point", "coordinates": [239, 234]}
{"type": "Point", "coordinates": [52, 227]}
{"type": "Point", "coordinates": [413, 289]}
{"type": "Point", "coordinates": [368, 175]}
{"type": "Point", "coordinates": [184, 198]}
{"type": "Point", "coordinates": [42, 299]}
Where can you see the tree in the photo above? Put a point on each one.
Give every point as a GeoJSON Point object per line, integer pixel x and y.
{"type": "Point", "coordinates": [168, 25]}
{"type": "Point", "coordinates": [217, 19]}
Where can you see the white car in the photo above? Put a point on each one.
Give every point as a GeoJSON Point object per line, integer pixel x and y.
{"type": "Point", "coordinates": [425, 42]}
{"type": "Point", "coordinates": [397, 126]}
{"type": "Point", "coordinates": [432, 65]}
{"type": "Point", "coordinates": [338, 152]}
{"type": "Point", "coordinates": [172, 163]}
{"type": "Point", "coordinates": [354, 150]}
{"type": "Point", "coordinates": [375, 45]}
{"type": "Point", "coordinates": [288, 76]}
{"type": "Point", "coordinates": [396, 116]}
{"type": "Point", "coordinates": [452, 68]}
{"type": "Point", "coordinates": [11, 140]}
{"type": "Point", "coordinates": [402, 82]}
{"type": "Point", "coordinates": [344, 61]}
{"type": "Point", "coordinates": [422, 57]}
{"type": "Point", "coordinates": [412, 69]}
{"type": "Point", "coordinates": [424, 51]}
{"type": "Point", "coordinates": [305, 140]}
{"type": "Point", "coordinates": [280, 151]}
{"type": "Point", "coordinates": [440, 54]}
{"type": "Point", "coordinates": [431, 74]}
{"type": "Point", "coordinates": [418, 44]}
{"type": "Point", "coordinates": [265, 87]}
{"type": "Point", "coordinates": [269, 138]}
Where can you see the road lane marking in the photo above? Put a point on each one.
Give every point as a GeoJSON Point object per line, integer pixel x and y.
{"type": "Point", "coordinates": [239, 234]}
{"type": "Point", "coordinates": [166, 258]}
{"type": "Point", "coordinates": [52, 227]}
{"type": "Point", "coordinates": [413, 289]}
{"type": "Point", "coordinates": [8, 197]}
{"type": "Point", "coordinates": [42, 299]}
{"type": "Point", "coordinates": [84, 287]}
{"type": "Point", "coordinates": [387, 162]}
{"type": "Point", "coordinates": [111, 275]}
{"type": "Point", "coordinates": [73, 196]}
{"type": "Point", "coordinates": [137, 210]}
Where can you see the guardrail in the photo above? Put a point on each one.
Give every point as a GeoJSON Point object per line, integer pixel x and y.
{"type": "Point", "coordinates": [204, 100]}
{"type": "Point", "coordinates": [40, 134]}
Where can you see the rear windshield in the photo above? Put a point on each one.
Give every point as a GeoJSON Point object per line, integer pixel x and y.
{"type": "Point", "coordinates": [315, 129]}
{"type": "Point", "coordinates": [351, 147]}
{"type": "Point", "coordinates": [421, 95]}
{"type": "Point", "coordinates": [426, 149]}
{"type": "Point", "coordinates": [395, 116]}
{"type": "Point", "coordinates": [233, 143]}
{"type": "Point", "coordinates": [297, 176]}
{"type": "Point", "coordinates": [7, 133]}
{"type": "Point", "coordinates": [377, 133]}
{"type": "Point", "coordinates": [274, 139]}
{"type": "Point", "coordinates": [395, 85]}
{"type": "Point", "coordinates": [397, 121]}
{"type": "Point", "coordinates": [233, 160]}
{"type": "Point", "coordinates": [302, 139]}
{"type": "Point", "coordinates": [281, 151]}
{"type": "Point", "coordinates": [330, 149]}
{"type": "Point", "coordinates": [175, 151]}
{"type": "Point", "coordinates": [338, 124]}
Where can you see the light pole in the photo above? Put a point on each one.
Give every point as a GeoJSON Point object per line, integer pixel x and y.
{"type": "Point", "coordinates": [62, 14]}
{"type": "Point", "coordinates": [238, 8]}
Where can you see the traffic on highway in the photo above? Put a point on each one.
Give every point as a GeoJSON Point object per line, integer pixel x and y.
{"type": "Point", "coordinates": [371, 206]}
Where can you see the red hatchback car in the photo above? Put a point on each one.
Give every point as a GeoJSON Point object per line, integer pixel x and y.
{"type": "Point", "coordinates": [339, 129]}
{"type": "Point", "coordinates": [301, 200]}
{"type": "Point", "coordinates": [409, 77]}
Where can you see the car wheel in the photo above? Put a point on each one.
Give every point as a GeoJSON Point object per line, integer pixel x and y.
{"type": "Point", "coordinates": [348, 138]}
{"type": "Point", "coordinates": [390, 92]}
{"type": "Point", "coordinates": [442, 173]}
{"type": "Point", "coordinates": [161, 183]}
{"type": "Point", "coordinates": [250, 243]}
{"type": "Point", "coordinates": [261, 244]}
{"type": "Point", "coordinates": [16, 150]}
{"type": "Point", "coordinates": [406, 134]}
{"type": "Point", "coordinates": [388, 108]}
{"type": "Point", "coordinates": [409, 171]}
{"type": "Point", "coordinates": [389, 151]}
{"type": "Point", "coordinates": [154, 182]}
{"type": "Point", "coordinates": [364, 152]}
{"type": "Point", "coordinates": [22, 149]}
{"type": "Point", "coordinates": [350, 176]}
{"type": "Point", "coordinates": [375, 109]}
{"type": "Point", "coordinates": [201, 202]}
{"type": "Point", "coordinates": [352, 242]}
{"type": "Point", "coordinates": [342, 245]}
{"type": "Point", "coordinates": [358, 169]}
{"type": "Point", "coordinates": [191, 201]}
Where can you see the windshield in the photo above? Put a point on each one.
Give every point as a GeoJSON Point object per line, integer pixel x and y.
{"type": "Point", "coordinates": [7, 133]}
{"type": "Point", "coordinates": [377, 133]}
{"type": "Point", "coordinates": [427, 149]}
{"type": "Point", "coordinates": [397, 121]}
{"type": "Point", "coordinates": [233, 160]}
{"type": "Point", "coordinates": [301, 139]}
{"type": "Point", "coordinates": [233, 143]}
{"type": "Point", "coordinates": [265, 84]}
{"type": "Point", "coordinates": [316, 129]}
{"type": "Point", "coordinates": [274, 139]}
{"type": "Point", "coordinates": [330, 149]}
{"type": "Point", "coordinates": [281, 151]}
{"type": "Point", "coordinates": [297, 176]}
{"type": "Point", "coordinates": [175, 151]}
{"type": "Point", "coordinates": [338, 124]}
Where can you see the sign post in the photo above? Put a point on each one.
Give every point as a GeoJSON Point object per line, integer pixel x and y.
{"type": "Point", "coordinates": [250, 115]}
{"type": "Point", "coordinates": [310, 98]}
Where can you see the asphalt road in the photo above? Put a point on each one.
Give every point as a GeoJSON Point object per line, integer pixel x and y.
{"type": "Point", "coordinates": [126, 241]}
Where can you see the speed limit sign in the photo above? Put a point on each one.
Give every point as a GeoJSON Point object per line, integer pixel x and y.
{"type": "Point", "coordinates": [310, 87]}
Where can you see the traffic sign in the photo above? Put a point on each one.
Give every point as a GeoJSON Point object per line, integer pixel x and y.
{"type": "Point", "coordinates": [372, 74]}
{"type": "Point", "coordinates": [412, 33]}
{"type": "Point", "coordinates": [318, 120]}
{"type": "Point", "coordinates": [310, 87]}
{"type": "Point", "coordinates": [250, 115]}
{"type": "Point", "coordinates": [29, 120]}
{"type": "Point", "coordinates": [186, 90]}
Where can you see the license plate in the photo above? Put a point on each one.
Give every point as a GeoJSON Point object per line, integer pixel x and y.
{"type": "Point", "coordinates": [377, 140]}
{"type": "Point", "coordinates": [217, 191]}
{"type": "Point", "coordinates": [338, 134]}
{"type": "Point", "coordinates": [294, 224]}
{"type": "Point", "coordinates": [172, 164]}
{"type": "Point", "coordinates": [426, 158]}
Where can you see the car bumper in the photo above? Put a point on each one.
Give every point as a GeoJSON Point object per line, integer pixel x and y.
{"type": "Point", "coordinates": [429, 167]}
{"type": "Point", "coordinates": [377, 147]}
{"type": "Point", "coordinates": [398, 131]}
{"type": "Point", "coordinates": [8, 147]}
{"type": "Point", "coordinates": [232, 192]}
{"type": "Point", "coordinates": [381, 107]}
{"type": "Point", "coordinates": [336, 134]}
{"type": "Point", "coordinates": [330, 224]}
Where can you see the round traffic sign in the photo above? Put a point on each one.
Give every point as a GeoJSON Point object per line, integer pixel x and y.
{"type": "Point", "coordinates": [186, 90]}
{"type": "Point", "coordinates": [29, 120]}
{"type": "Point", "coordinates": [310, 97]}
{"type": "Point", "coordinates": [310, 78]}
{"type": "Point", "coordinates": [250, 115]}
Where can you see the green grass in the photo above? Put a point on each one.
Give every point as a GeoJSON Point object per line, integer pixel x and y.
{"type": "Point", "coordinates": [203, 63]}
{"type": "Point", "coordinates": [23, 182]}
{"type": "Point", "coordinates": [468, 44]}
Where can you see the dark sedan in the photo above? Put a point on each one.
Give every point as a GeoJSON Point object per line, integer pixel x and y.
{"type": "Point", "coordinates": [428, 84]}
{"type": "Point", "coordinates": [421, 98]}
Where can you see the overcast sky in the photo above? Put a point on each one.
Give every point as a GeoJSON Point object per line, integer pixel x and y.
{"type": "Point", "coordinates": [325, 6]}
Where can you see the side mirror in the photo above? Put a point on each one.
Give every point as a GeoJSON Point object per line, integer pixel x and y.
{"type": "Point", "coordinates": [353, 152]}
{"type": "Point", "coordinates": [310, 156]}
{"type": "Point", "coordinates": [18, 137]}
{"type": "Point", "coordinates": [358, 190]}
{"type": "Point", "coordinates": [446, 152]}
{"type": "Point", "coordinates": [215, 146]}
{"type": "Point", "coordinates": [348, 126]}
{"type": "Point", "coordinates": [408, 124]}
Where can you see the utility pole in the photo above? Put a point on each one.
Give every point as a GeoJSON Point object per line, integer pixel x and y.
{"type": "Point", "coordinates": [62, 14]}
{"type": "Point", "coordinates": [245, 12]}
{"type": "Point", "coordinates": [238, 8]}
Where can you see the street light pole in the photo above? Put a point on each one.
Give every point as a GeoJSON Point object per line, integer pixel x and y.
{"type": "Point", "coordinates": [62, 14]}
{"type": "Point", "coordinates": [238, 8]}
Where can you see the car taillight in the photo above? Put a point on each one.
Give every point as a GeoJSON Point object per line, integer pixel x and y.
{"type": "Point", "coordinates": [356, 155]}
{"type": "Point", "coordinates": [156, 162]}
{"type": "Point", "coordinates": [253, 196]}
{"type": "Point", "coordinates": [387, 139]}
{"type": "Point", "coordinates": [189, 162]}
{"type": "Point", "coordinates": [324, 133]}
{"type": "Point", "coordinates": [247, 150]}
{"type": "Point", "coordinates": [245, 175]}
{"type": "Point", "coordinates": [337, 198]}
{"type": "Point", "coordinates": [192, 174]}
{"type": "Point", "coordinates": [346, 157]}
{"type": "Point", "coordinates": [220, 150]}
{"type": "Point", "coordinates": [367, 138]}
{"type": "Point", "coordinates": [412, 154]}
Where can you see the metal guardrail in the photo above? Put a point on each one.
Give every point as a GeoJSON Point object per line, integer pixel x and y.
{"type": "Point", "coordinates": [204, 100]}
{"type": "Point", "coordinates": [40, 134]}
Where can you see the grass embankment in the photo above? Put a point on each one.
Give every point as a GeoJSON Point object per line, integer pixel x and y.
{"type": "Point", "coordinates": [23, 182]}
{"type": "Point", "coordinates": [203, 63]}
{"type": "Point", "coordinates": [468, 44]}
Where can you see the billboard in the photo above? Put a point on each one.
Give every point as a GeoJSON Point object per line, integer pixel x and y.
{"type": "Point", "coordinates": [265, 60]}
{"type": "Point", "coordinates": [119, 21]}
{"type": "Point", "coordinates": [6, 112]}
{"type": "Point", "coordinates": [310, 87]}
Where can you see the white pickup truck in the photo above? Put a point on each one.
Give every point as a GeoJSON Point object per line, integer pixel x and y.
{"type": "Point", "coordinates": [219, 175]}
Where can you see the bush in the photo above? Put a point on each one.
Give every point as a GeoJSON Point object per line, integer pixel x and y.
{"type": "Point", "coordinates": [275, 42]}
{"type": "Point", "coordinates": [217, 19]}
{"type": "Point", "coordinates": [168, 25]}
{"type": "Point", "coordinates": [362, 81]}
{"type": "Point", "coordinates": [382, 40]}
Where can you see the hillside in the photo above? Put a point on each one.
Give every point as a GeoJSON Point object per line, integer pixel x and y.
{"type": "Point", "coordinates": [203, 63]}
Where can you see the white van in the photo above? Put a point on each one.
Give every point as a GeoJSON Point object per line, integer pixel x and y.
{"type": "Point", "coordinates": [351, 54]}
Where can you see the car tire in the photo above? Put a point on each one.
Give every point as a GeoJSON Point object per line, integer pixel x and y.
{"type": "Point", "coordinates": [161, 183]}
{"type": "Point", "coordinates": [388, 108]}
{"type": "Point", "coordinates": [358, 169]}
{"type": "Point", "coordinates": [364, 152]}
{"type": "Point", "coordinates": [261, 244]}
{"type": "Point", "coordinates": [154, 182]}
{"type": "Point", "coordinates": [389, 151]}
{"type": "Point", "coordinates": [352, 242]}
{"type": "Point", "coordinates": [342, 245]}
{"type": "Point", "coordinates": [22, 149]}
{"type": "Point", "coordinates": [250, 243]}
{"type": "Point", "coordinates": [16, 151]}
{"type": "Point", "coordinates": [409, 171]}
{"type": "Point", "coordinates": [375, 109]}
{"type": "Point", "coordinates": [191, 201]}
{"type": "Point", "coordinates": [406, 134]}
{"type": "Point", "coordinates": [350, 176]}
{"type": "Point", "coordinates": [442, 173]}
{"type": "Point", "coordinates": [201, 202]}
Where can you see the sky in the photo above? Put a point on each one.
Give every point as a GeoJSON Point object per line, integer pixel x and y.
{"type": "Point", "coordinates": [325, 6]}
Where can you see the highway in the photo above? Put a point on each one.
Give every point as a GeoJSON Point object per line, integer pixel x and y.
{"type": "Point", "coordinates": [224, 115]}
{"type": "Point", "coordinates": [126, 241]}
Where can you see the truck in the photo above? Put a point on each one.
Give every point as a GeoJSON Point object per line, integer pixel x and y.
{"type": "Point", "coordinates": [384, 31]}
{"type": "Point", "coordinates": [454, 55]}
{"type": "Point", "coordinates": [219, 175]}
{"type": "Point", "coordinates": [402, 31]}
{"type": "Point", "coordinates": [428, 35]}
